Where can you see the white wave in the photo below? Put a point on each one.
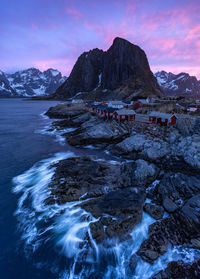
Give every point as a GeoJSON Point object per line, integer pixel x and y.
{"type": "Point", "coordinates": [43, 115]}
{"type": "Point", "coordinates": [58, 134]}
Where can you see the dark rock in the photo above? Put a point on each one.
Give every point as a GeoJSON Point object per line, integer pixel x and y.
{"type": "Point", "coordinates": [122, 207]}
{"type": "Point", "coordinates": [181, 228]}
{"type": "Point", "coordinates": [155, 211]}
{"type": "Point", "coordinates": [75, 177]}
{"type": "Point", "coordinates": [84, 76]}
{"type": "Point", "coordinates": [123, 67]}
{"type": "Point", "coordinates": [133, 262]}
{"type": "Point", "coordinates": [180, 270]}
{"type": "Point", "coordinates": [62, 111]}
{"type": "Point", "coordinates": [174, 190]}
{"type": "Point", "coordinates": [72, 121]}
{"type": "Point", "coordinates": [169, 205]}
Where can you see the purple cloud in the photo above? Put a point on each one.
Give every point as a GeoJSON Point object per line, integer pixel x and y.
{"type": "Point", "coordinates": [47, 33]}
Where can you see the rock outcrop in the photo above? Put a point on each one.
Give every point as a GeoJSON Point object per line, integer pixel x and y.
{"type": "Point", "coordinates": [122, 72]}
{"type": "Point", "coordinates": [112, 193]}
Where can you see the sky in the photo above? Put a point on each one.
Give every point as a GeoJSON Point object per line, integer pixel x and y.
{"type": "Point", "coordinates": [53, 33]}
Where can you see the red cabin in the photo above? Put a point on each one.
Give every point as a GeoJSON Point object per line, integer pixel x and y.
{"type": "Point", "coordinates": [124, 115]}
{"type": "Point", "coordinates": [163, 119]}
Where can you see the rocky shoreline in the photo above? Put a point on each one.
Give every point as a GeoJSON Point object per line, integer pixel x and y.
{"type": "Point", "coordinates": [158, 163]}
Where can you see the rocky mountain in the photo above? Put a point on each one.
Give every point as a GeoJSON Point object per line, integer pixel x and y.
{"type": "Point", "coordinates": [121, 72]}
{"type": "Point", "coordinates": [178, 85]}
{"type": "Point", "coordinates": [30, 82]}
{"type": "Point", "coordinates": [5, 88]}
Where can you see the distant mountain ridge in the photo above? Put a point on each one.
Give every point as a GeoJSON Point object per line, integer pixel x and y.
{"type": "Point", "coordinates": [178, 85]}
{"type": "Point", "coordinates": [30, 82]}
{"type": "Point", "coordinates": [121, 72]}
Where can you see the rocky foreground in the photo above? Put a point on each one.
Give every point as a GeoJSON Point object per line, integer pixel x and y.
{"type": "Point", "coordinates": [163, 165]}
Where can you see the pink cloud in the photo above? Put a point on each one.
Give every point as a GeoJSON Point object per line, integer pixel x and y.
{"type": "Point", "coordinates": [193, 33]}
{"type": "Point", "coordinates": [74, 12]}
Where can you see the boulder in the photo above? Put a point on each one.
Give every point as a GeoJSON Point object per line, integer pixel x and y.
{"type": "Point", "coordinates": [156, 211]}
{"type": "Point", "coordinates": [145, 173]}
{"type": "Point", "coordinates": [169, 205]}
{"type": "Point", "coordinates": [156, 150]}
{"type": "Point", "coordinates": [133, 143]}
{"type": "Point", "coordinates": [98, 132]}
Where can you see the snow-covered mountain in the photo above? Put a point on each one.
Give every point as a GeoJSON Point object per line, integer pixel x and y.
{"type": "Point", "coordinates": [30, 82]}
{"type": "Point", "coordinates": [178, 85]}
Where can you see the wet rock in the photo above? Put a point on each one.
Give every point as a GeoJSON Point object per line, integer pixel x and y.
{"type": "Point", "coordinates": [169, 205]}
{"type": "Point", "coordinates": [62, 111]}
{"type": "Point", "coordinates": [156, 211]}
{"type": "Point", "coordinates": [122, 207]}
{"type": "Point", "coordinates": [180, 270]}
{"type": "Point", "coordinates": [181, 228]}
{"type": "Point", "coordinates": [83, 177]}
{"type": "Point", "coordinates": [133, 262]}
{"type": "Point", "coordinates": [175, 189]}
{"type": "Point", "coordinates": [72, 121]}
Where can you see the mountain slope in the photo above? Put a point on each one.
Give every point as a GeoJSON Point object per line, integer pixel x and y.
{"type": "Point", "coordinates": [30, 82]}
{"type": "Point", "coordinates": [178, 85]}
{"type": "Point", "coordinates": [122, 71]}
{"type": "Point", "coordinates": [5, 89]}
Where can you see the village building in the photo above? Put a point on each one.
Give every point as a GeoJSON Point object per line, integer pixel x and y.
{"type": "Point", "coordinates": [77, 101]}
{"type": "Point", "coordinates": [109, 112]}
{"type": "Point", "coordinates": [101, 110]}
{"type": "Point", "coordinates": [163, 119]}
{"type": "Point", "coordinates": [124, 115]}
{"type": "Point", "coordinates": [116, 104]}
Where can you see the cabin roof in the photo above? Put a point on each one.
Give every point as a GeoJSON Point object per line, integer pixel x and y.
{"type": "Point", "coordinates": [125, 112]}
{"type": "Point", "coordinates": [162, 115]}
{"type": "Point", "coordinates": [117, 103]}
{"type": "Point", "coordinates": [110, 109]}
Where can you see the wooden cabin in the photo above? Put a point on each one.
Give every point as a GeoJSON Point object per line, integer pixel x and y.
{"type": "Point", "coordinates": [163, 119]}
{"type": "Point", "coordinates": [109, 113]}
{"type": "Point", "coordinates": [124, 115]}
{"type": "Point", "coordinates": [116, 104]}
{"type": "Point", "coordinates": [101, 111]}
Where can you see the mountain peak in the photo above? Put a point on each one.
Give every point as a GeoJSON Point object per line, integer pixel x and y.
{"type": "Point", "coordinates": [123, 67]}
{"type": "Point", "coordinates": [181, 84]}
{"type": "Point", "coordinates": [30, 82]}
